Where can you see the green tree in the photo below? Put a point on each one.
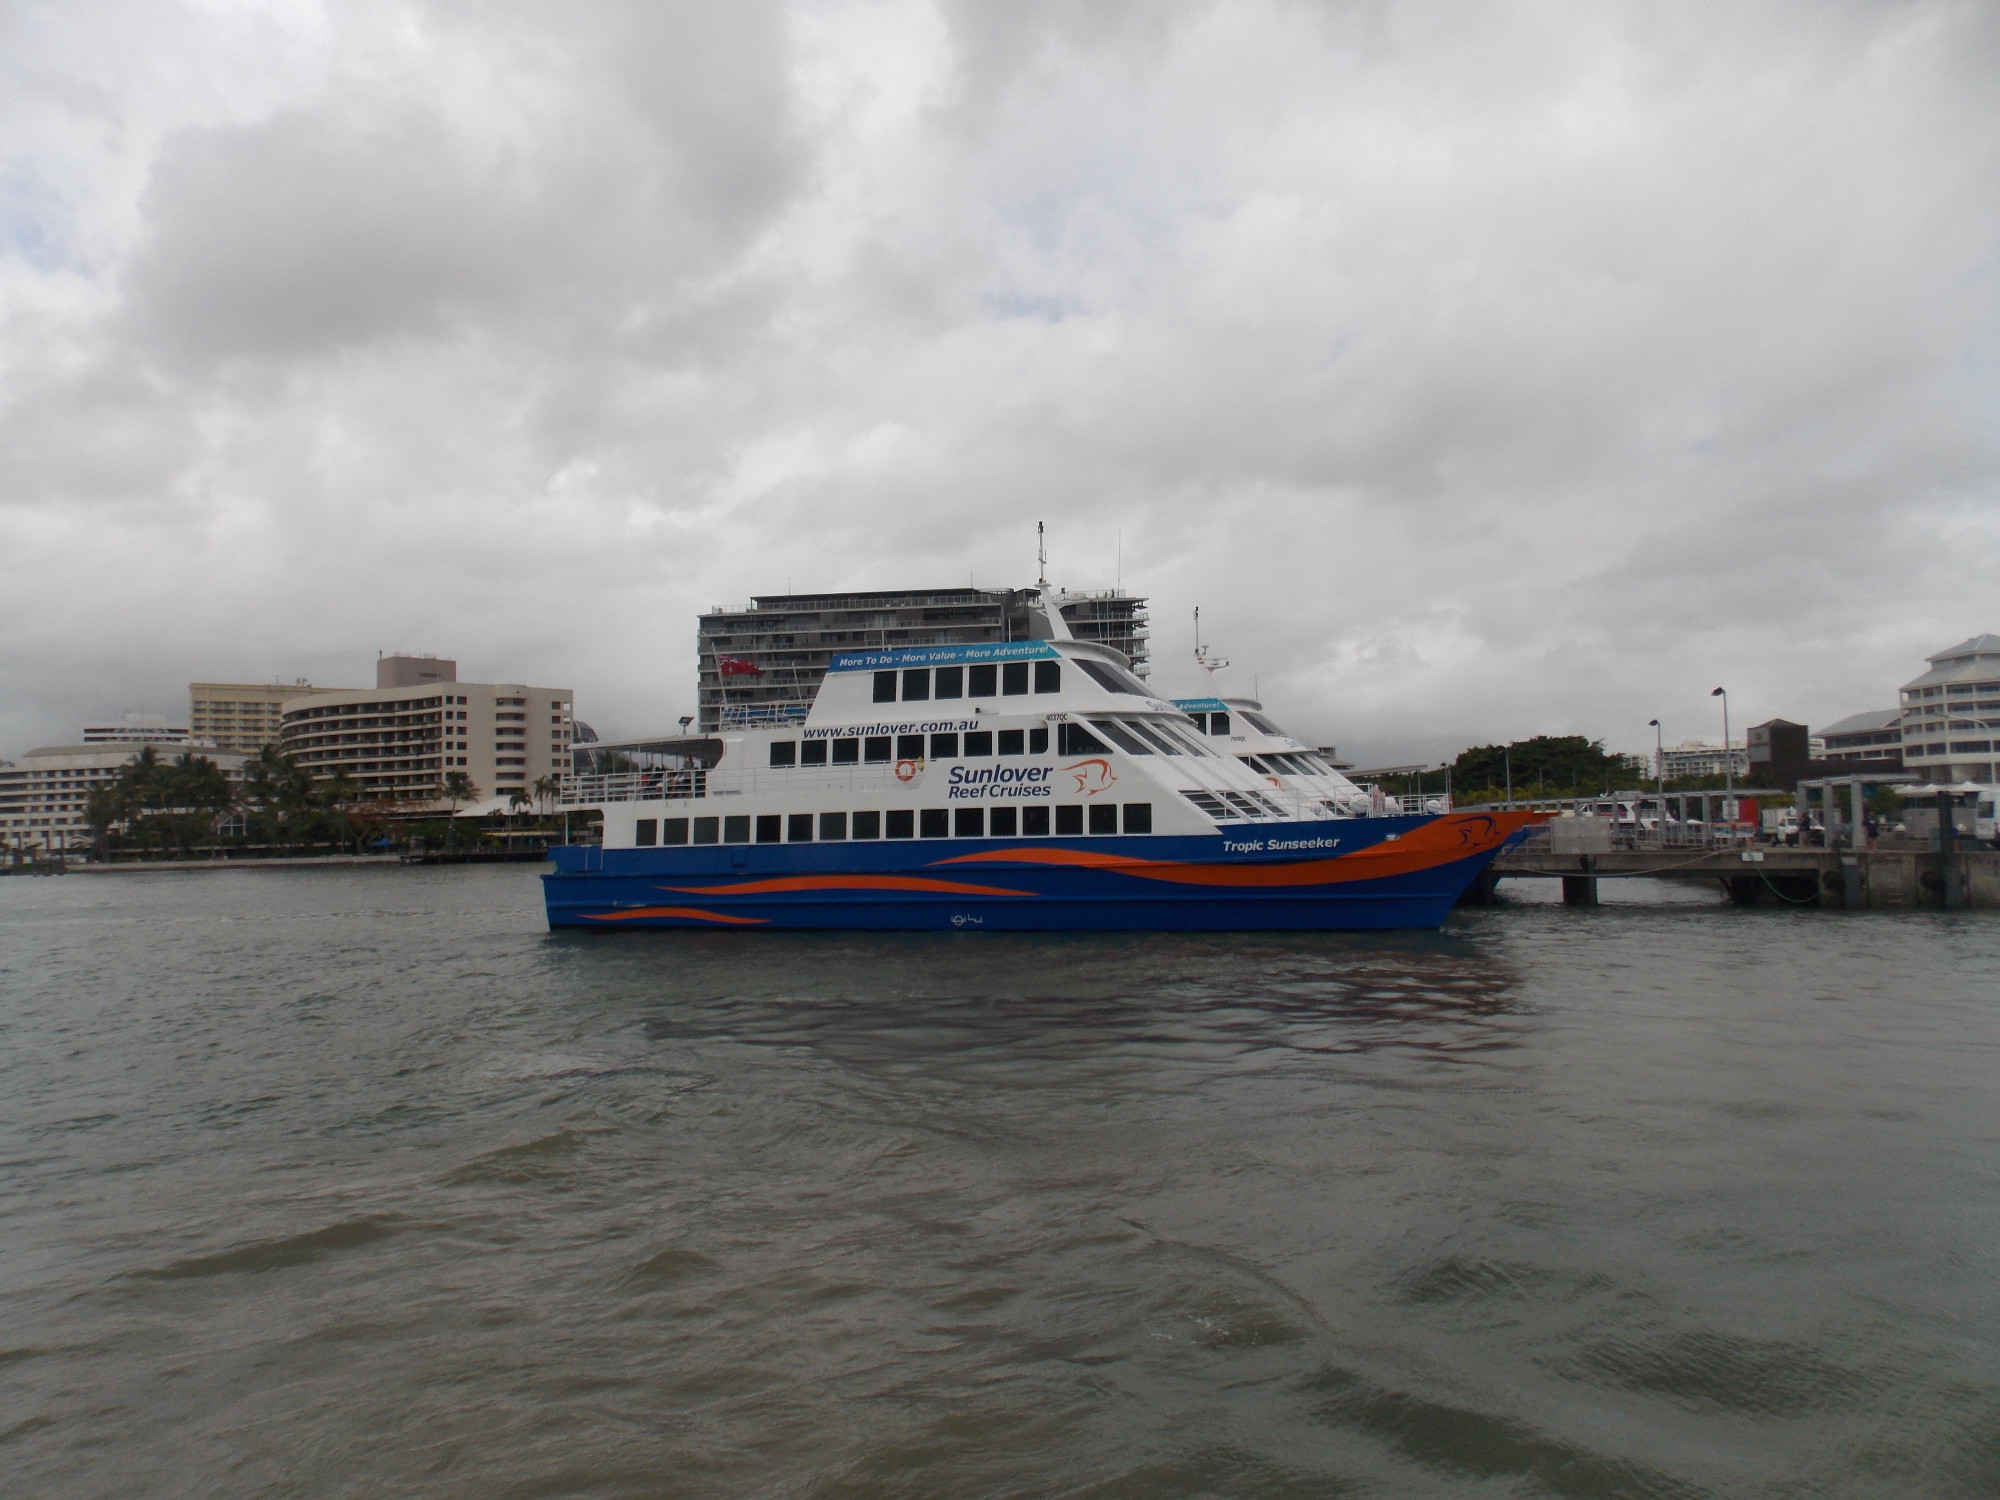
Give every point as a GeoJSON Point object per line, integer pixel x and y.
{"type": "Point", "coordinates": [458, 788]}
{"type": "Point", "coordinates": [1547, 765]}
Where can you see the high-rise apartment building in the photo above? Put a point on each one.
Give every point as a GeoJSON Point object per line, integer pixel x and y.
{"type": "Point", "coordinates": [1951, 714]}
{"type": "Point", "coordinates": [242, 716]}
{"type": "Point", "coordinates": [45, 798]}
{"type": "Point", "coordinates": [398, 741]}
{"type": "Point", "coordinates": [138, 729]}
{"type": "Point", "coordinates": [766, 662]}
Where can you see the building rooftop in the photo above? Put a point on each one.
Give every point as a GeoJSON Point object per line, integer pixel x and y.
{"type": "Point", "coordinates": [1872, 722]}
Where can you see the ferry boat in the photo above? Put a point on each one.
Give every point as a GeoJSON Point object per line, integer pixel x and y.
{"type": "Point", "coordinates": [1031, 785]}
{"type": "Point", "coordinates": [1240, 727]}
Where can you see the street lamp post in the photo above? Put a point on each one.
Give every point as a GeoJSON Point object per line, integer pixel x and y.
{"type": "Point", "coordinates": [1728, 761]}
{"type": "Point", "coordinates": [1660, 763]}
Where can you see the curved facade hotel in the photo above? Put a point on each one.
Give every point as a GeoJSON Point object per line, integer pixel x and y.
{"type": "Point", "coordinates": [1951, 714]}
{"type": "Point", "coordinates": [400, 739]}
{"type": "Point", "coordinates": [1031, 785]}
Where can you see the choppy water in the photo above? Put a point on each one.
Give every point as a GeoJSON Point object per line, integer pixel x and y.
{"type": "Point", "coordinates": [363, 1184]}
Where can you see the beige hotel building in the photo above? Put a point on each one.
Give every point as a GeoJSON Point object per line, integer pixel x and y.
{"type": "Point", "coordinates": [242, 716]}
{"type": "Point", "coordinates": [419, 723]}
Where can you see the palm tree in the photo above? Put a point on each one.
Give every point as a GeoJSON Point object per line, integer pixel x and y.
{"type": "Point", "coordinates": [518, 801]}
{"type": "Point", "coordinates": [458, 788]}
{"type": "Point", "coordinates": [547, 789]}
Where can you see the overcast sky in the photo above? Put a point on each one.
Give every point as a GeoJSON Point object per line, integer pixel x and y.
{"type": "Point", "coordinates": [1478, 371]}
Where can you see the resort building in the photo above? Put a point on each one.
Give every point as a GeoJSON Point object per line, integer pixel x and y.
{"type": "Point", "coordinates": [243, 716]}
{"type": "Point", "coordinates": [1873, 740]}
{"type": "Point", "coordinates": [398, 741]}
{"type": "Point", "coordinates": [1951, 714]}
{"type": "Point", "coordinates": [764, 663]}
{"type": "Point", "coordinates": [45, 797]}
{"type": "Point", "coordinates": [1693, 758]}
{"type": "Point", "coordinates": [138, 729]}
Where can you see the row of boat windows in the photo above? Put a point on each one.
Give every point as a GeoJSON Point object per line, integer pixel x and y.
{"type": "Point", "coordinates": [999, 680]}
{"type": "Point", "coordinates": [1133, 736]}
{"type": "Point", "coordinates": [1218, 723]}
{"type": "Point", "coordinates": [876, 749]}
{"type": "Point", "coordinates": [897, 823]}
{"type": "Point", "coordinates": [1270, 763]}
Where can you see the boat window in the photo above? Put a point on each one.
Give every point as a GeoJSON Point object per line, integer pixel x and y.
{"type": "Point", "coordinates": [770, 828]}
{"type": "Point", "coordinates": [1218, 723]}
{"type": "Point", "coordinates": [1120, 736]}
{"type": "Point", "coordinates": [1104, 817]}
{"type": "Point", "coordinates": [968, 822]}
{"type": "Point", "coordinates": [832, 827]}
{"type": "Point", "coordinates": [885, 687]}
{"type": "Point", "coordinates": [812, 753]}
{"type": "Point", "coordinates": [1166, 744]}
{"type": "Point", "coordinates": [799, 828]}
{"type": "Point", "coordinates": [1013, 742]}
{"type": "Point", "coordinates": [673, 830]}
{"type": "Point", "coordinates": [1262, 724]}
{"type": "Point", "coordinates": [1013, 679]}
{"type": "Point", "coordinates": [1108, 678]}
{"type": "Point", "coordinates": [909, 747]}
{"type": "Point", "coordinates": [735, 828]}
{"type": "Point", "coordinates": [934, 822]}
{"type": "Point", "coordinates": [1038, 741]}
{"type": "Point", "coordinates": [1138, 817]}
{"type": "Point", "coordinates": [944, 747]}
{"type": "Point", "coordinates": [902, 823]}
{"type": "Point", "coordinates": [646, 832]}
{"type": "Point", "coordinates": [846, 752]}
{"type": "Point", "coordinates": [705, 830]}
{"type": "Point", "coordinates": [784, 752]}
{"type": "Point", "coordinates": [876, 749]}
{"type": "Point", "coordinates": [1002, 822]}
{"type": "Point", "coordinates": [979, 742]}
{"type": "Point", "coordinates": [1048, 677]}
{"type": "Point", "coordinates": [1255, 764]}
{"type": "Point", "coordinates": [1188, 743]}
{"type": "Point", "coordinates": [916, 683]}
{"type": "Point", "coordinates": [1035, 822]}
{"type": "Point", "coordinates": [1069, 820]}
{"type": "Point", "coordinates": [1074, 739]}
{"type": "Point", "coordinates": [982, 682]}
{"type": "Point", "coordinates": [1209, 803]}
{"type": "Point", "coordinates": [1200, 721]}
{"type": "Point", "coordinates": [868, 825]}
{"type": "Point", "coordinates": [951, 682]}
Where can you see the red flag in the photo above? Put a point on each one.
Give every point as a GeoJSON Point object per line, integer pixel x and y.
{"type": "Point", "coordinates": [736, 666]}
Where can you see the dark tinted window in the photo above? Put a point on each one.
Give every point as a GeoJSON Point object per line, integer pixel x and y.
{"type": "Point", "coordinates": [770, 828]}
{"type": "Point", "coordinates": [1103, 817]}
{"type": "Point", "coordinates": [935, 823]}
{"type": "Point", "coordinates": [951, 682]}
{"type": "Point", "coordinates": [909, 747]}
{"type": "Point", "coordinates": [916, 683]}
{"type": "Point", "coordinates": [1048, 677]}
{"type": "Point", "coordinates": [944, 747]}
{"type": "Point", "coordinates": [799, 828]}
{"type": "Point", "coordinates": [1012, 742]}
{"type": "Point", "coordinates": [1038, 741]}
{"type": "Point", "coordinates": [902, 823]}
{"type": "Point", "coordinates": [885, 687]}
{"type": "Point", "coordinates": [675, 830]}
{"type": "Point", "coordinates": [1035, 822]}
{"type": "Point", "coordinates": [1122, 737]}
{"type": "Point", "coordinates": [705, 830]}
{"type": "Point", "coordinates": [1218, 723]}
{"type": "Point", "coordinates": [1069, 820]}
{"type": "Point", "coordinates": [1003, 822]}
{"type": "Point", "coordinates": [979, 742]}
{"type": "Point", "coordinates": [812, 753]}
{"type": "Point", "coordinates": [846, 752]}
{"type": "Point", "coordinates": [646, 832]}
{"type": "Point", "coordinates": [1138, 817]}
{"type": "Point", "coordinates": [1200, 721]}
{"type": "Point", "coordinates": [735, 828]}
{"type": "Point", "coordinates": [982, 682]}
{"type": "Point", "coordinates": [1074, 739]}
{"type": "Point", "coordinates": [868, 825]}
{"type": "Point", "coordinates": [832, 827]}
{"type": "Point", "coordinates": [877, 748]}
{"type": "Point", "coordinates": [784, 753]}
{"type": "Point", "coordinates": [1013, 678]}
{"type": "Point", "coordinates": [968, 822]}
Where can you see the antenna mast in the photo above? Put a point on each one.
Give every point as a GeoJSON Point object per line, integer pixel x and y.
{"type": "Point", "coordinates": [1209, 665]}
{"type": "Point", "coordinates": [1041, 556]}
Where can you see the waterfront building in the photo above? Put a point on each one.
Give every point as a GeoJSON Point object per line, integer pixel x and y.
{"type": "Point", "coordinates": [1691, 758]}
{"type": "Point", "coordinates": [45, 797]}
{"type": "Point", "coordinates": [1777, 753]}
{"type": "Point", "coordinates": [139, 729]}
{"type": "Point", "coordinates": [1950, 715]}
{"type": "Point", "coordinates": [242, 716]}
{"type": "Point", "coordinates": [399, 740]}
{"type": "Point", "coordinates": [1873, 741]}
{"type": "Point", "coordinates": [763, 664]}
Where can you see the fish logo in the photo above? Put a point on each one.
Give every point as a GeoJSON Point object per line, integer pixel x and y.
{"type": "Point", "coordinates": [1092, 776]}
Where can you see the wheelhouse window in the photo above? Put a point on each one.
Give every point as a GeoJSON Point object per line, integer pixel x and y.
{"type": "Point", "coordinates": [1048, 677]}
{"type": "Point", "coordinates": [1218, 724]}
{"type": "Point", "coordinates": [1013, 679]}
{"type": "Point", "coordinates": [916, 684]}
{"type": "Point", "coordinates": [885, 687]}
{"type": "Point", "coordinates": [982, 682]}
{"type": "Point", "coordinates": [950, 682]}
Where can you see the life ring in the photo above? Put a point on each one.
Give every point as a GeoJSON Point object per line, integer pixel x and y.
{"type": "Point", "coordinates": [906, 770]}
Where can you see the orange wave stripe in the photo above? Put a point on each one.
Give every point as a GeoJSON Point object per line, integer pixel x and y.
{"type": "Point", "coordinates": [848, 883]}
{"type": "Point", "coordinates": [674, 911]}
{"type": "Point", "coordinates": [1453, 836]}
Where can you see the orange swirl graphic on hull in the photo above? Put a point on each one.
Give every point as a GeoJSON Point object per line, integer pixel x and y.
{"type": "Point", "coordinates": [688, 912]}
{"type": "Point", "coordinates": [1442, 841]}
{"type": "Point", "coordinates": [784, 883]}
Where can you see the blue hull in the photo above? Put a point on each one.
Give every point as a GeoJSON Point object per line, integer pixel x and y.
{"type": "Point", "coordinates": [1386, 874]}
